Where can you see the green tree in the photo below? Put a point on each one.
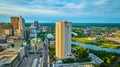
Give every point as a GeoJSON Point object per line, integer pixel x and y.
{"type": "Point", "coordinates": [12, 45]}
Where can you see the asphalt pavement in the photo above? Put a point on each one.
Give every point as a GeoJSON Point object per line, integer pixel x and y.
{"type": "Point", "coordinates": [30, 61]}
{"type": "Point", "coordinates": [45, 53]}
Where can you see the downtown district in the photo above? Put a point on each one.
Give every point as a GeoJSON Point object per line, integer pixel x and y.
{"type": "Point", "coordinates": [28, 46]}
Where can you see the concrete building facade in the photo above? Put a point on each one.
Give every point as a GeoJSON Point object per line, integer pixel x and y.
{"type": "Point", "coordinates": [5, 29]}
{"type": "Point", "coordinates": [63, 40]}
{"type": "Point", "coordinates": [32, 31]}
{"type": "Point", "coordinates": [18, 26]}
{"type": "Point", "coordinates": [14, 22]}
{"type": "Point", "coordinates": [10, 57]}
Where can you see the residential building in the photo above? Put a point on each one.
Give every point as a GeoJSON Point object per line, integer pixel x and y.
{"type": "Point", "coordinates": [63, 40]}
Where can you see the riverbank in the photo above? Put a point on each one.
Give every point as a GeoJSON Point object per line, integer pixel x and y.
{"type": "Point", "coordinates": [93, 47]}
{"type": "Point", "coordinates": [101, 42]}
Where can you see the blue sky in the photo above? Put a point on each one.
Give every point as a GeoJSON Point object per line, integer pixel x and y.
{"type": "Point", "coordinates": [76, 11]}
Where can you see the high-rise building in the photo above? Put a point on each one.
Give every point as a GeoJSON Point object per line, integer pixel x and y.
{"type": "Point", "coordinates": [18, 26]}
{"type": "Point", "coordinates": [63, 40]}
{"type": "Point", "coordinates": [14, 22]}
{"type": "Point", "coordinates": [36, 24]}
{"type": "Point", "coordinates": [21, 27]}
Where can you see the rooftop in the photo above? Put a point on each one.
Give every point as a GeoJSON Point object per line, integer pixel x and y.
{"type": "Point", "coordinates": [5, 26]}
{"type": "Point", "coordinates": [7, 57]}
{"type": "Point", "coordinates": [3, 37]}
{"type": "Point", "coordinates": [14, 50]}
{"type": "Point", "coordinates": [13, 37]}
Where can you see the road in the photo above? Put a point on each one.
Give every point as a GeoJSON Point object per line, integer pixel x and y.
{"type": "Point", "coordinates": [45, 53]}
{"type": "Point", "coordinates": [31, 61]}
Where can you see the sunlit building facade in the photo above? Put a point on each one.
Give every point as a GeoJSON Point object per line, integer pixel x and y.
{"type": "Point", "coordinates": [63, 39]}
{"type": "Point", "coordinates": [18, 24]}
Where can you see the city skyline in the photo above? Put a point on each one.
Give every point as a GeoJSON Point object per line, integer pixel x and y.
{"type": "Point", "coordinates": [51, 11]}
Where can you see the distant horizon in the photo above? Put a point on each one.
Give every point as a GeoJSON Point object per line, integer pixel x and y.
{"type": "Point", "coordinates": [60, 21]}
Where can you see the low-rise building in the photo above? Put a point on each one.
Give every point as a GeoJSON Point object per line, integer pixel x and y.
{"type": "Point", "coordinates": [83, 64]}
{"type": "Point", "coordinates": [8, 59]}
{"type": "Point", "coordinates": [5, 45]}
{"type": "Point", "coordinates": [95, 59]}
{"type": "Point", "coordinates": [36, 43]}
{"type": "Point", "coordinates": [5, 28]}
{"type": "Point", "coordinates": [11, 56]}
{"type": "Point", "coordinates": [11, 39]}
{"type": "Point", "coordinates": [19, 50]}
{"type": "Point", "coordinates": [3, 39]}
{"type": "Point", "coordinates": [32, 31]}
{"type": "Point", "coordinates": [52, 44]}
{"type": "Point", "coordinates": [44, 28]}
{"type": "Point", "coordinates": [15, 40]}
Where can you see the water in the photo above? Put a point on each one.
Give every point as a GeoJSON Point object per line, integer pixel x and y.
{"type": "Point", "coordinates": [93, 47]}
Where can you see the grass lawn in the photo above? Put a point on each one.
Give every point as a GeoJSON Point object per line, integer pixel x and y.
{"type": "Point", "coordinates": [93, 42]}
{"type": "Point", "coordinates": [109, 45]}
{"type": "Point", "coordinates": [83, 40]}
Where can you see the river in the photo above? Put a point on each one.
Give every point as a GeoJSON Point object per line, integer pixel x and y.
{"type": "Point", "coordinates": [93, 47]}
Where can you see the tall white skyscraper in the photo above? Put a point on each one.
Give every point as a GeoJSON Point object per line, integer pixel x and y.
{"type": "Point", "coordinates": [63, 39]}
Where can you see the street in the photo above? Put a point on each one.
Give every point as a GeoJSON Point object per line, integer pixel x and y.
{"type": "Point", "coordinates": [33, 60]}
{"type": "Point", "coordinates": [45, 53]}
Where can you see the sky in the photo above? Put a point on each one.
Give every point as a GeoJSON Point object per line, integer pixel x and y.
{"type": "Point", "coordinates": [51, 11]}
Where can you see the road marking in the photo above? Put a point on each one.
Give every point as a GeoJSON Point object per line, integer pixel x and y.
{"type": "Point", "coordinates": [35, 62]}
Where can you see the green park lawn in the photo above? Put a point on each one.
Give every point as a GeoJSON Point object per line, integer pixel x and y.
{"type": "Point", "coordinates": [109, 45]}
{"type": "Point", "coordinates": [82, 40]}
{"type": "Point", "coordinates": [104, 44]}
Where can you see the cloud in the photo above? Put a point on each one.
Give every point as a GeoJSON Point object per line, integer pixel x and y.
{"type": "Point", "coordinates": [9, 9]}
{"type": "Point", "coordinates": [75, 6]}
{"type": "Point", "coordinates": [59, 7]}
{"type": "Point", "coordinates": [100, 2]}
